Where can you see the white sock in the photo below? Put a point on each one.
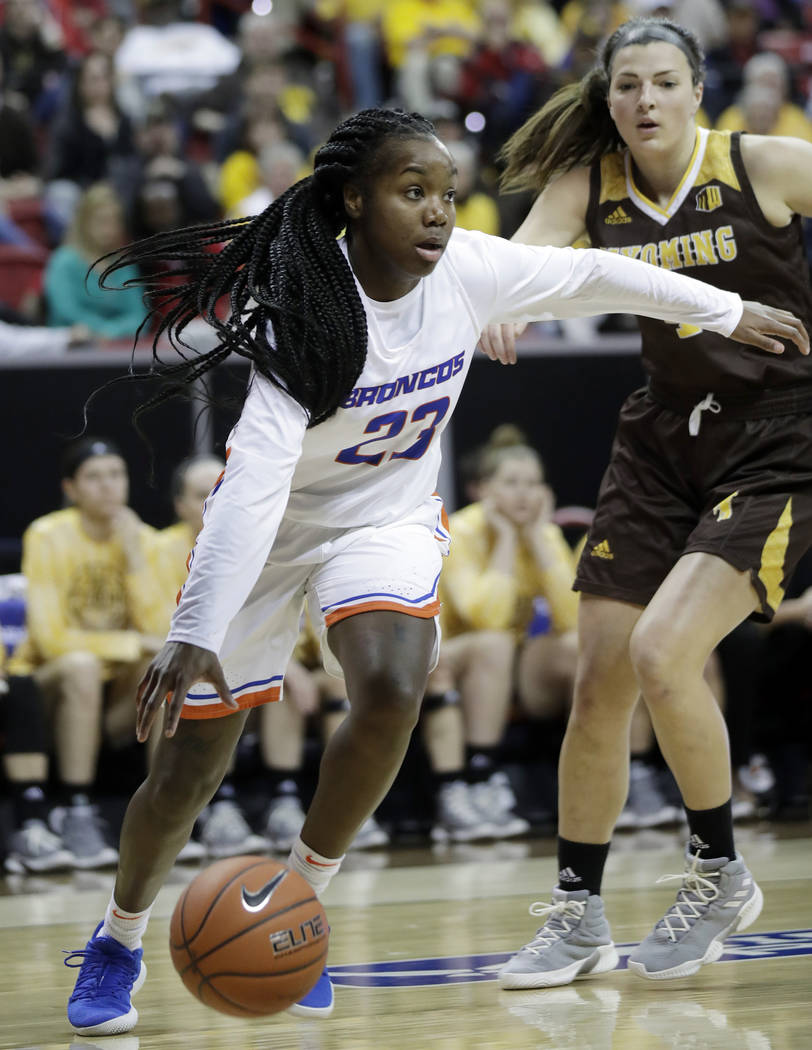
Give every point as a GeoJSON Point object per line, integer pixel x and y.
{"type": "Point", "coordinates": [312, 866]}
{"type": "Point", "coordinates": [126, 927]}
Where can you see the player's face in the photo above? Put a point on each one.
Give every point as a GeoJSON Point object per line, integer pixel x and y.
{"type": "Point", "coordinates": [100, 487]}
{"type": "Point", "coordinates": [652, 98]}
{"type": "Point", "coordinates": [400, 223]}
{"type": "Point", "coordinates": [517, 489]}
{"type": "Point", "coordinates": [200, 479]}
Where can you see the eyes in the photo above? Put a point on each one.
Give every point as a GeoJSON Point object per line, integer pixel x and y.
{"type": "Point", "coordinates": [629, 85]}
{"type": "Point", "coordinates": [415, 193]}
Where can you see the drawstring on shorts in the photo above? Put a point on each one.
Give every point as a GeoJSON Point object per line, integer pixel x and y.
{"type": "Point", "coordinates": [707, 404]}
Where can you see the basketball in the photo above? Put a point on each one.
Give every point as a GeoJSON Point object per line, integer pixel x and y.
{"type": "Point", "coordinates": [248, 936]}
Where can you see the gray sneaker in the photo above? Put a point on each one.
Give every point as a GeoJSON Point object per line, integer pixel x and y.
{"type": "Point", "coordinates": [496, 804]}
{"type": "Point", "coordinates": [225, 832]}
{"type": "Point", "coordinates": [646, 806]}
{"type": "Point", "coordinates": [80, 828]}
{"type": "Point", "coordinates": [575, 941]}
{"type": "Point", "coordinates": [284, 821]}
{"type": "Point", "coordinates": [370, 835]}
{"type": "Point", "coordinates": [458, 819]}
{"type": "Point", "coordinates": [34, 848]}
{"type": "Point", "coordinates": [717, 897]}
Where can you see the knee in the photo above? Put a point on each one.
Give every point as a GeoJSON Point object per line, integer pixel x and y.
{"type": "Point", "coordinates": [657, 664]}
{"type": "Point", "coordinates": [495, 647]}
{"type": "Point", "coordinates": [388, 698]}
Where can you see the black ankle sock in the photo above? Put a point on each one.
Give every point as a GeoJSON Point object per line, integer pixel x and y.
{"type": "Point", "coordinates": [580, 865]}
{"type": "Point", "coordinates": [29, 801]}
{"type": "Point", "coordinates": [711, 832]}
{"type": "Point", "coordinates": [480, 762]}
{"type": "Point", "coordinates": [448, 777]}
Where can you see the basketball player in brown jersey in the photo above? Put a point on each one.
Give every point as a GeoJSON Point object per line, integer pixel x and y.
{"type": "Point", "coordinates": [706, 506]}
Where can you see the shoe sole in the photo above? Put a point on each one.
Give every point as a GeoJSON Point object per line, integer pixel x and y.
{"type": "Point", "coordinates": [602, 960]}
{"type": "Point", "coordinates": [746, 917]}
{"type": "Point", "coordinates": [123, 1023]}
{"type": "Point", "coordinates": [297, 1010]}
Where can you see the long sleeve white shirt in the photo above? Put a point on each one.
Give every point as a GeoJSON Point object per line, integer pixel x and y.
{"type": "Point", "coordinates": [377, 458]}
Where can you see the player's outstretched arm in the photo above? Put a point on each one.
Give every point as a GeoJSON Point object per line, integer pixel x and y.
{"type": "Point", "coordinates": [763, 326]}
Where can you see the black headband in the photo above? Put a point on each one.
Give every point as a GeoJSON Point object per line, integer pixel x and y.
{"type": "Point", "coordinates": [75, 455]}
{"type": "Point", "coordinates": [647, 34]}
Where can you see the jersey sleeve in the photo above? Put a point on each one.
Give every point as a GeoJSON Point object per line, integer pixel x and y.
{"type": "Point", "coordinates": [521, 282]}
{"type": "Point", "coordinates": [242, 515]}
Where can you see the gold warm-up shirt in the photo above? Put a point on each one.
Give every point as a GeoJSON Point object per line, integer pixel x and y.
{"type": "Point", "coordinates": [81, 596]}
{"type": "Point", "coordinates": [476, 598]}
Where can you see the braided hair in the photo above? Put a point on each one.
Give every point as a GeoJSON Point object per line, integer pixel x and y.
{"type": "Point", "coordinates": [284, 267]}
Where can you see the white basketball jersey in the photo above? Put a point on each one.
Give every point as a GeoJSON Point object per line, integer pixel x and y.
{"type": "Point", "coordinates": [377, 458]}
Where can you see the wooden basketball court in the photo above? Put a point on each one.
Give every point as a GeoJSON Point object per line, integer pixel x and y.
{"type": "Point", "coordinates": [416, 939]}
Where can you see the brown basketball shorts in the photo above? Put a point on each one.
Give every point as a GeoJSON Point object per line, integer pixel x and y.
{"type": "Point", "coordinates": [740, 489]}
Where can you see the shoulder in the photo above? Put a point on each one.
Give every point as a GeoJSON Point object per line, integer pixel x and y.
{"type": "Point", "coordinates": [58, 521]}
{"type": "Point", "coordinates": [769, 156]}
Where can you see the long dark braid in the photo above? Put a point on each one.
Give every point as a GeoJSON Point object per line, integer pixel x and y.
{"type": "Point", "coordinates": [284, 266]}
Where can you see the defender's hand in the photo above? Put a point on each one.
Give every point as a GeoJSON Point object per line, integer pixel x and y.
{"type": "Point", "coordinates": [759, 323]}
{"type": "Point", "coordinates": [498, 341]}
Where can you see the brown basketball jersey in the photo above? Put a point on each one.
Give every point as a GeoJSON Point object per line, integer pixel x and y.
{"type": "Point", "coordinates": [712, 229]}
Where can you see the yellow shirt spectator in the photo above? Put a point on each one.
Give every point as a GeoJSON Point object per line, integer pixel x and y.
{"type": "Point", "coordinates": [449, 25]}
{"type": "Point", "coordinates": [475, 597]}
{"type": "Point", "coordinates": [791, 121]}
{"type": "Point", "coordinates": [81, 595]}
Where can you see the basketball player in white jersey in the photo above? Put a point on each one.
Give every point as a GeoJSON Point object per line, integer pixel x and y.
{"type": "Point", "coordinates": [360, 346]}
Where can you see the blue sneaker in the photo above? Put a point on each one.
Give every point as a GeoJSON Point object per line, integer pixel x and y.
{"type": "Point", "coordinates": [109, 975]}
{"type": "Point", "coordinates": [319, 1000]}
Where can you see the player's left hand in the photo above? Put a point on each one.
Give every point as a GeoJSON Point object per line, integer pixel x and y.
{"type": "Point", "coordinates": [759, 325]}
{"type": "Point", "coordinates": [498, 341]}
{"type": "Point", "coordinates": [169, 677]}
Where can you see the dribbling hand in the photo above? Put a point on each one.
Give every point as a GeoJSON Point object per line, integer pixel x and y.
{"type": "Point", "coordinates": [169, 677]}
{"type": "Point", "coordinates": [759, 322]}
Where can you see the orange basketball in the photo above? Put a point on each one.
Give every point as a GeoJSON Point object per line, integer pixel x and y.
{"type": "Point", "coordinates": [248, 936]}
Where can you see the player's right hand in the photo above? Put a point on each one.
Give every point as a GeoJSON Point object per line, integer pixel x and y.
{"type": "Point", "coordinates": [498, 341]}
{"type": "Point", "coordinates": [170, 676]}
{"type": "Point", "coordinates": [760, 324]}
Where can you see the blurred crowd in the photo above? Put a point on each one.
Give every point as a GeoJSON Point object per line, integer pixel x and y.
{"type": "Point", "coordinates": [124, 118]}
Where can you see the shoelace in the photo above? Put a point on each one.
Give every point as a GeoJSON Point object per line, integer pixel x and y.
{"type": "Point", "coordinates": [561, 918]}
{"type": "Point", "coordinates": [685, 911]}
{"type": "Point", "coordinates": [117, 979]}
{"type": "Point", "coordinates": [458, 805]}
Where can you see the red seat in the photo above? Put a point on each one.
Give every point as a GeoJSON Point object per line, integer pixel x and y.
{"type": "Point", "coordinates": [21, 272]}
{"type": "Point", "coordinates": [28, 214]}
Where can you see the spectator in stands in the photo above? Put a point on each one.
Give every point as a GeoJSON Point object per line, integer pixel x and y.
{"type": "Point", "coordinates": [91, 128]}
{"type": "Point", "coordinates": [32, 846]}
{"type": "Point", "coordinates": [280, 165]}
{"type": "Point", "coordinates": [94, 614]}
{"type": "Point", "coordinates": [158, 155]}
{"type": "Point", "coordinates": [22, 342]}
{"type": "Point", "coordinates": [240, 174]}
{"type": "Point", "coordinates": [31, 56]}
{"type": "Point", "coordinates": [503, 77]}
{"type": "Point", "coordinates": [767, 71]}
{"type": "Point", "coordinates": [167, 55]}
{"type": "Point", "coordinates": [425, 41]}
{"type": "Point", "coordinates": [725, 64]}
{"type": "Point", "coordinates": [19, 158]}
{"type": "Point", "coordinates": [476, 209]}
{"type": "Point", "coordinates": [97, 228]}
{"type": "Point", "coordinates": [537, 23]}
{"type": "Point", "coordinates": [362, 39]}
{"type": "Point", "coordinates": [508, 616]}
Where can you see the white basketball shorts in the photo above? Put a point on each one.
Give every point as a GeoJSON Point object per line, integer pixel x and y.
{"type": "Point", "coordinates": [339, 572]}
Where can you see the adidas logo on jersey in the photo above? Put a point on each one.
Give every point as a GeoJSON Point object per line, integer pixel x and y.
{"type": "Point", "coordinates": [617, 217]}
{"type": "Point", "coordinates": [724, 508]}
{"type": "Point", "coordinates": [602, 550]}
